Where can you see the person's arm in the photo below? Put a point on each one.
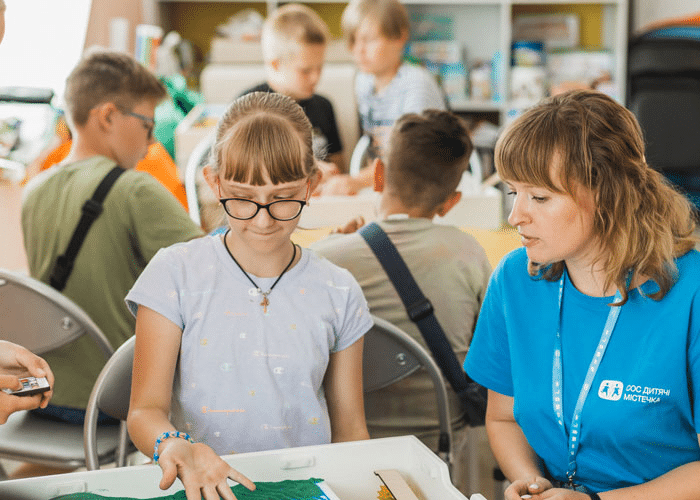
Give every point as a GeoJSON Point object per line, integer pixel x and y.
{"type": "Point", "coordinates": [343, 387]}
{"type": "Point", "coordinates": [16, 361]}
{"type": "Point", "coordinates": [345, 184]}
{"type": "Point", "coordinates": [202, 472]}
{"type": "Point", "coordinates": [514, 455]}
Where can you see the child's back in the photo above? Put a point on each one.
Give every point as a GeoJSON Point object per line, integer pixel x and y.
{"type": "Point", "coordinates": [425, 159]}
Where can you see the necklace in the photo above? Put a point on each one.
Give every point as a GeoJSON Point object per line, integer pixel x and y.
{"type": "Point", "coordinates": [265, 301]}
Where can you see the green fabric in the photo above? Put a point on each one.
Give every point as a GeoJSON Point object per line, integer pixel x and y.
{"type": "Point", "coordinates": [171, 112]}
{"type": "Point", "coordinates": [301, 489]}
{"type": "Point", "coordinates": [140, 216]}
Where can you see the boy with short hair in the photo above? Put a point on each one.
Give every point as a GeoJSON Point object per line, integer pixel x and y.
{"type": "Point", "coordinates": [110, 102]}
{"type": "Point", "coordinates": [294, 40]}
{"type": "Point", "coordinates": [425, 158]}
{"type": "Point", "coordinates": [386, 88]}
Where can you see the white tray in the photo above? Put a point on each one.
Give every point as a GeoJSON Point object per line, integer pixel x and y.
{"type": "Point", "coordinates": [348, 468]}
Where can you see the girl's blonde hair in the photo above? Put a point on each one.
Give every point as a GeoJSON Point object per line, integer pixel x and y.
{"type": "Point", "coordinates": [263, 133]}
{"type": "Point", "coordinates": [640, 221]}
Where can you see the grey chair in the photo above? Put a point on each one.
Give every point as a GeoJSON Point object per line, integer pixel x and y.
{"type": "Point", "coordinates": [390, 355]}
{"type": "Point", "coordinates": [110, 394]}
{"type": "Point", "coordinates": [196, 161]}
{"type": "Point", "coordinates": [41, 319]}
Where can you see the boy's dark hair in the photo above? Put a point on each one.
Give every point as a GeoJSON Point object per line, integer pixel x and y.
{"type": "Point", "coordinates": [426, 157]}
{"type": "Point", "coordinates": [108, 76]}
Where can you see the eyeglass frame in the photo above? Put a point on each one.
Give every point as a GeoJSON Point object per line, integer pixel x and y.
{"type": "Point", "coordinates": [150, 123]}
{"type": "Point", "coordinates": [259, 206]}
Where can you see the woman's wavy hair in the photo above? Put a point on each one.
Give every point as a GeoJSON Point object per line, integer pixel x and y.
{"type": "Point", "coordinates": [263, 133]}
{"type": "Point", "coordinates": [640, 221]}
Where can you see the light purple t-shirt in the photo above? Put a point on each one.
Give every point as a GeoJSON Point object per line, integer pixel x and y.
{"type": "Point", "coordinates": [248, 380]}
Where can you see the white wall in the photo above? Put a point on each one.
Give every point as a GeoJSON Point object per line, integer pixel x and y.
{"type": "Point", "coordinates": [647, 11]}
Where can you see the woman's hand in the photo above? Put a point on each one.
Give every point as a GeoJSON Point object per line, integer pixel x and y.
{"type": "Point", "coordinates": [521, 488]}
{"type": "Point", "coordinates": [16, 361]}
{"type": "Point", "coordinates": [202, 472]}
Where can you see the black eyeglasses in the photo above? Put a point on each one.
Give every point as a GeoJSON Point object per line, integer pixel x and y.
{"type": "Point", "coordinates": [149, 123]}
{"type": "Point", "coordinates": [243, 209]}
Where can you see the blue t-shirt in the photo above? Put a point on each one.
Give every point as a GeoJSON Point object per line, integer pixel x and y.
{"type": "Point", "coordinates": [638, 421]}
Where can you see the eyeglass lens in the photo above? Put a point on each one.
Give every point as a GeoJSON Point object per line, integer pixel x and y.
{"type": "Point", "coordinates": [247, 209]}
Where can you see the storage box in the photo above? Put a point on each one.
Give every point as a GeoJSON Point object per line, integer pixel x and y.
{"type": "Point", "coordinates": [348, 468]}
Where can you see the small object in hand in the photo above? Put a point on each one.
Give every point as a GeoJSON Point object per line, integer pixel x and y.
{"type": "Point", "coordinates": [30, 386]}
{"type": "Point", "coordinates": [526, 496]}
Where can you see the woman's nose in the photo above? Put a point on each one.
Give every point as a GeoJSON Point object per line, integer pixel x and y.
{"type": "Point", "coordinates": [518, 213]}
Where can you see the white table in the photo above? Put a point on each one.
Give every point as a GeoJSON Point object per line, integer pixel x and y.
{"type": "Point", "coordinates": [348, 468]}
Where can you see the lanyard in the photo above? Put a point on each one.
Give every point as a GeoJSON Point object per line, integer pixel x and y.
{"type": "Point", "coordinates": [557, 377]}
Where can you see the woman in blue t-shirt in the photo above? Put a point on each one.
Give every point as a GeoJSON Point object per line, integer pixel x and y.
{"type": "Point", "coordinates": [589, 337]}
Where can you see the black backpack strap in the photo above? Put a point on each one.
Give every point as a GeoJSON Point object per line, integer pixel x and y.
{"type": "Point", "coordinates": [418, 307]}
{"type": "Point", "coordinates": [92, 209]}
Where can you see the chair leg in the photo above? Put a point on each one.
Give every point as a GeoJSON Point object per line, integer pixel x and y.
{"type": "Point", "coordinates": [473, 454]}
{"type": "Point", "coordinates": [122, 447]}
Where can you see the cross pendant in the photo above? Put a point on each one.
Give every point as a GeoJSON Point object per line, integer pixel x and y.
{"type": "Point", "coordinates": [265, 303]}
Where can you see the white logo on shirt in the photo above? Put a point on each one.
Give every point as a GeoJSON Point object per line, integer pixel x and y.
{"type": "Point", "coordinates": [610, 390]}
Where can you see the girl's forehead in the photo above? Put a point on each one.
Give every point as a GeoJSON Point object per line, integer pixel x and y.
{"type": "Point", "coordinates": [268, 187]}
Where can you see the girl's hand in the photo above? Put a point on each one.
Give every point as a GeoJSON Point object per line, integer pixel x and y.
{"type": "Point", "coordinates": [533, 487]}
{"type": "Point", "coordinates": [202, 472]}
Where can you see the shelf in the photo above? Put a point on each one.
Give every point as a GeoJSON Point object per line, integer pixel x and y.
{"type": "Point", "coordinates": [482, 28]}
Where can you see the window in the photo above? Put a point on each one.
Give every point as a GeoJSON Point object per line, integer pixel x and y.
{"type": "Point", "coordinates": [43, 41]}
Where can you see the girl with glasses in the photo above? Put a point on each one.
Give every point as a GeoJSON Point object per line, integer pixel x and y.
{"type": "Point", "coordinates": [244, 341]}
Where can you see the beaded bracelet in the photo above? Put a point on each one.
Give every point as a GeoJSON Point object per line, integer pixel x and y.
{"type": "Point", "coordinates": [165, 436]}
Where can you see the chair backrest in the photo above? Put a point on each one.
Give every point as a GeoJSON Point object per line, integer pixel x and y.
{"type": "Point", "coordinates": [196, 161]}
{"type": "Point", "coordinates": [390, 355]}
{"type": "Point", "coordinates": [663, 92]}
{"type": "Point", "coordinates": [40, 318]}
{"type": "Point", "coordinates": [110, 394]}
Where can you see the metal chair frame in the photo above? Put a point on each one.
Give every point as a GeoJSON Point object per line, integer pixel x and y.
{"type": "Point", "coordinates": [42, 319]}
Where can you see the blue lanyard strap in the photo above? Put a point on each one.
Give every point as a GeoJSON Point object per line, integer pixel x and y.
{"type": "Point", "coordinates": [557, 377]}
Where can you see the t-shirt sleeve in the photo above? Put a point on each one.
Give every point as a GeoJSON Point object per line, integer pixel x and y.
{"type": "Point", "coordinates": [488, 358]}
{"type": "Point", "coordinates": [158, 220]}
{"type": "Point", "coordinates": [421, 92]}
{"type": "Point", "coordinates": [355, 319]}
{"type": "Point", "coordinates": [158, 288]}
